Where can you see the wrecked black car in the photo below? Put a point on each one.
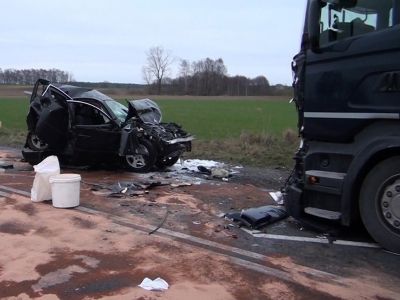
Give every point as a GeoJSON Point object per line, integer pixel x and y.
{"type": "Point", "coordinates": [84, 126]}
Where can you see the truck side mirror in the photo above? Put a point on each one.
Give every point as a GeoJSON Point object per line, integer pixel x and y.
{"type": "Point", "coordinates": [313, 23]}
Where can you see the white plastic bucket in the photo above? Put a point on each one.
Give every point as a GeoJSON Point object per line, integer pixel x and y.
{"type": "Point", "coordinates": [65, 190]}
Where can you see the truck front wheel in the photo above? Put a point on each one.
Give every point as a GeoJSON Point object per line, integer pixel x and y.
{"type": "Point", "coordinates": [380, 203]}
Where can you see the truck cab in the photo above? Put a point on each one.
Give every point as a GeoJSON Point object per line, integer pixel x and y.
{"type": "Point", "coordinates": [347, 93]}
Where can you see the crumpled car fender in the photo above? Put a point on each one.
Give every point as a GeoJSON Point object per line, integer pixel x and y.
{"type": "Point", "coordinates": [129, 140]}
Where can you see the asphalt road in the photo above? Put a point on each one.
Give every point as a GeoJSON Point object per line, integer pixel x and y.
{"type": "Point", "coordinates": [102, 249]}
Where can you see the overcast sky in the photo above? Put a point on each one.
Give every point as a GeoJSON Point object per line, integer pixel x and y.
{"type": "Point", "coordinates": [104, 40]}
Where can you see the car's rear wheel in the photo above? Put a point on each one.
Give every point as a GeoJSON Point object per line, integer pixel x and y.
{"type": "Point", "coordinates": [143, 159]}
{"type": "Point", "coordinates": [380, 203]}
{"type": "Point", "coordinates": [35, 143]}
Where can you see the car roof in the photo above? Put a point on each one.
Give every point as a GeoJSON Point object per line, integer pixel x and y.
{"type": "Point", "coordinates": [80, 92]}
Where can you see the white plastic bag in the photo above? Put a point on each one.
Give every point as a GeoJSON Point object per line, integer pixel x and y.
{"type": "Point", "coordinates": [157, 284]}
{"type": "Point", "coordinates": [41, 189]}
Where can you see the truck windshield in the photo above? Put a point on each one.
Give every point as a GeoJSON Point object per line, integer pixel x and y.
{"type": "Point", "coordinates": [340, 22]}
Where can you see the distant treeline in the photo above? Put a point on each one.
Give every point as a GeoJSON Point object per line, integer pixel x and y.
{"type": "Point", "coordinates": [209, 77]}
{"type": "Point", "coordinates": [201, 78]}
{"type": "Point", "coordinates": [106, 85]}
{"type": "Point", "coordinates": [29, 76]}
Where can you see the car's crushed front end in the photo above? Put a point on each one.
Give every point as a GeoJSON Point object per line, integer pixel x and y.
{"type": "Point", "coordinates": [169, 139]}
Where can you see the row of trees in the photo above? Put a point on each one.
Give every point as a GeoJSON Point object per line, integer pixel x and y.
{"type": "Point", "coordinates": [209, 77]}
{"type": "Point", "coordinates": [29, 76]}
{"type": "Point", "coordinates": [205, 77]}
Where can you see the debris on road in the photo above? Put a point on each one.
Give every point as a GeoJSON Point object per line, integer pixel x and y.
{"type": "Point", "coordinates": [121, 189]}
{"type": "Point", "coordinates": [180, 184]}
{"type": "Point", "coordinates": [277, 196]}
{"type": "Point", "coordinates": [162, 222]}
{"type": "Point", "coordinates": [220, 173]}
{"type": "Point", "coordinates": [193, 164]}
{"type": "Point", "coordinates": [41, 188]}
{"type": "Point", "coordinates": [258, 217]}
{"type": "Point", "coordinates": [157, 284]}
{"type": "Point", "coordinates": [215, 172]}
{"type": "Point", "coordinates": [6, 165]}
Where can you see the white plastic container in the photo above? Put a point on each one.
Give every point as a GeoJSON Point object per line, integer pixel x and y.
{"type": "Point", "coordinates": [65, 190]}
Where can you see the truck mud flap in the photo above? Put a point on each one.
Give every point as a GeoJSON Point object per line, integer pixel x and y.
{"type": "Point", "coordinates": [293, 201]}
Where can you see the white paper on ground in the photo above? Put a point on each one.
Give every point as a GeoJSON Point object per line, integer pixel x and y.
{"type": "Point", "coordinates": [41, 188]}
{"type": "Point", "coordinates": [157, 284]}
{"type": "Point", "coordinates": [277, 196]}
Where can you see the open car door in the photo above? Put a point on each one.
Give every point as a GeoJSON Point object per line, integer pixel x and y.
{"type": "Point", "coordinates": [48, 116]}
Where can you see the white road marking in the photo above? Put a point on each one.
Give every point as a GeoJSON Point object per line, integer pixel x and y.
{"type": "Point", "coordinates": [257, 234]}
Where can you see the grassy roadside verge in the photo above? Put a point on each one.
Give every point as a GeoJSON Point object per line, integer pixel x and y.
{"type": "Point", "coordinates": [12, 137]}
{"type": "Point", "coordinates": [249, 149]}
{"type": "Point", "coordinates": [258, 150]}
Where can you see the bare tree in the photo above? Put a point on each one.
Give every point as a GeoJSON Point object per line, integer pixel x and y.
{"type": "Point", "coordinates": [147, 78]}
{"type": "Point", "coordinates": [185, 72]}
{"type": "Point", "coordinates": [157, 65]}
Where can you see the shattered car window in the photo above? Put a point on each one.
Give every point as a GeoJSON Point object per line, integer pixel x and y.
{"type": "Point", "coordinates": [119, 110]}
{"type": "Point", "coordinates": [88, 115]}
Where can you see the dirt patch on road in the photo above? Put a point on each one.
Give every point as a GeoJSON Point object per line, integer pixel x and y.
{"type": "Point", "coordinates": [13, 228]}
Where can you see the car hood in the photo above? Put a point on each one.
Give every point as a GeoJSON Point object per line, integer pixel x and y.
{"type": "Point", "coordinates": [145, 109]}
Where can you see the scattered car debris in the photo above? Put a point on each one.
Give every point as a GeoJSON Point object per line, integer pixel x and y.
{"type": "Point", "coordinates": [180, 184]}
{"type": "Point", "coordinates": [204, 170]}
{"type": "Point", "coordinates": [122, 189]}
{"type": "Point", "coordinates": [215, 172]}
{"type": "Point", "coordinates": [258, 217]}
{"type": "Point", "coordinates": [157, 284]}
{"type": "Point", "coordinates": [220, 173]}
{"type": "Point", "coordinates": [84, 126]}
{"type": "Point", "coordinates": [193, 164]}
{"type": "Point", "coordinates": [162, 222]}
{"type": "Point", "coordinates": [277, 196]}
{"type": "Point", "coordinates": [6, 165]}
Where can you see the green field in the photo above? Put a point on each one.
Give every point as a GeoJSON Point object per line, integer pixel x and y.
{"type": "Point", "coordinates": [207, 119]}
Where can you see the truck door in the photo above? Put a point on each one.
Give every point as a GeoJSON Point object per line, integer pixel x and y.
{"type": "Point", "coordinates": [353, 77]}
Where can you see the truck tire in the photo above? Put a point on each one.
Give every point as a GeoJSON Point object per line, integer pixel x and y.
{"type": "Point", "coordinates": [380, 203]}
{"type": "Point", "coordinates": [142, 161]}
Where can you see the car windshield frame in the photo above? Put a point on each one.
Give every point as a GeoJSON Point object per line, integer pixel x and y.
{"type": "Point", "coordinates": [119, 110]}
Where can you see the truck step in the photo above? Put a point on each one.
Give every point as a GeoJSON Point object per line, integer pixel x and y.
{"type": "Point", "coordinates": [324, 181]}
{"type": "Point", "coordinates": [323, 213]}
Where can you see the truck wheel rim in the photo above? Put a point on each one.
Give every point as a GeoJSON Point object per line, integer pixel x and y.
{"type": "Point", "coordinates": [390, 202]}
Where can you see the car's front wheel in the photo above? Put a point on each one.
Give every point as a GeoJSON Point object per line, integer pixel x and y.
{"type": "Point", "coordinates": [143, 158]}
{"type": "Point", "coordinates": [35, 143]}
